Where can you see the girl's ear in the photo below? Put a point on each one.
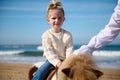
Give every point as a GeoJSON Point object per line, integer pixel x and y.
{"type": "Point", "coordinates": [47, 20]}
{"type": "Point", "coordinates": [64, 18]}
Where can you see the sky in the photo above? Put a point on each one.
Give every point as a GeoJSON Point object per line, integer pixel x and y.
{"type": "Point", "coordinates": [24, 21]}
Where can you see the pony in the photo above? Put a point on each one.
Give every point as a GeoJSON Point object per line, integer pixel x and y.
{"type": "Point", "coordinates": [75, 67]}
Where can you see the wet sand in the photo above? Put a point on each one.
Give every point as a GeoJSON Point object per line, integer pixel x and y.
{"type": "Point", "coordinates": [17, 71]}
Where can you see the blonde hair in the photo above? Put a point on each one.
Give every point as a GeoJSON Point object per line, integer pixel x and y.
{"type": "Point", "coordinates": [55, 5]}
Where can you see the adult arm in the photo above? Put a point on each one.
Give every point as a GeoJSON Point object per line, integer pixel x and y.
{"type": "Point", "coordinates": [105, 36]}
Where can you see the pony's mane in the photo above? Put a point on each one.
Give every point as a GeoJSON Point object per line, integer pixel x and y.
{"type": "Point", "coordinates": [81, 60]}
{"type": "Point", "coordinates": [80, 67]}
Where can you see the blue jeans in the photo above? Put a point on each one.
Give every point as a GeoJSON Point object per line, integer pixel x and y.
{"type": "Point", "coordinates": [43, 71]}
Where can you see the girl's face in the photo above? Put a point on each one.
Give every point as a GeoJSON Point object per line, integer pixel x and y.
{"type": "Point", "coordinates": [55, 19]}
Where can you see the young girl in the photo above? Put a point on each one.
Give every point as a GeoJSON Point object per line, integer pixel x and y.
{"type": "Point", "coordinates": [57, 43]}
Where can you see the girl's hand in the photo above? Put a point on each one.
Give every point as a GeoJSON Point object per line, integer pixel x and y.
{"type": "Point", "coordinates": [59, 64]}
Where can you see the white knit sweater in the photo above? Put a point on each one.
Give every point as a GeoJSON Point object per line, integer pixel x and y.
{"type": "Point", "coordinates": [57, 46]}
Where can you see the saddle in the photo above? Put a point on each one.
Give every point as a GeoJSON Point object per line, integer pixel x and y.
{"type": "Point", "coordinates": [33, 69]}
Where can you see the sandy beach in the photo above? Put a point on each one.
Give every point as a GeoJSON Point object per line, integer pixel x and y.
{"type": "Point", "coordinates": [15, 71]}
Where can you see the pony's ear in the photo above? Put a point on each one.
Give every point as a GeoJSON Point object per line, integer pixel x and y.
{"type": "Point", "coordinates": [97, 73]}
{"type": "Point", "coordinates": [66, 71]}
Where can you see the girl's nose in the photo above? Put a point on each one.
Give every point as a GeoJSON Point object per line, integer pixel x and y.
{"type": "Point", "coordinates": [56, 20]}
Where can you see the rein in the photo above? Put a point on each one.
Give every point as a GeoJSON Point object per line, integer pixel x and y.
{"type": "Point", "coordinates": [52, 73]}
{"type": "Point", "coordinates": [56, 73]}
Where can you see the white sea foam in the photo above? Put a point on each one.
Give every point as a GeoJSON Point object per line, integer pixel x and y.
{"type": "Point", "coordinates": [107, 53]}
{"type": "Point", "coordinates": [21, 59]}
{"type": "Point", "coordinates": [10, 52]}
{"type": "Point", "coordinates": [40, 48]}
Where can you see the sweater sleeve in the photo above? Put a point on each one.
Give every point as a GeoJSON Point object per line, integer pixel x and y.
{"type": "Point", "coordinates": [105, 36]}
{"type": "Point", "coordinates": [69, 46]}
{"type": "Point", "coordinates": [49, 50]}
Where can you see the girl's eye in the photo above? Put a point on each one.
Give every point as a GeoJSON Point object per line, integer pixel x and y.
{"type": "Point", "coordinates": [53, 18]}
{"type": "Point", "coordinates": [59, 18]}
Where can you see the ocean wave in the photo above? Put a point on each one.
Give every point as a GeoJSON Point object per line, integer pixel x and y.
{"type": "Point", "coordinates": [40, 53]}
{"type": "Point", "coordinates": [104, 59]}
{"type": "Point", "coordinates": [107, 53]}
{"type": "Point", "coordinates": [22, 53]}
{"type": "Point", "coordinates": [10, 52]}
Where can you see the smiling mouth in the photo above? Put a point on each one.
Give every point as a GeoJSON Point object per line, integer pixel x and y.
{"type": "Point", "coordinates": [57, 24]}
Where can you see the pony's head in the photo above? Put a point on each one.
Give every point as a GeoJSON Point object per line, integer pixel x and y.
{"type": "Point", "coordinates": [80, 67]}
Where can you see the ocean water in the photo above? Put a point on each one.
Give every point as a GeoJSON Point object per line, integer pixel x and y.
{"type": "Point", "coordinates": [106, 57]}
